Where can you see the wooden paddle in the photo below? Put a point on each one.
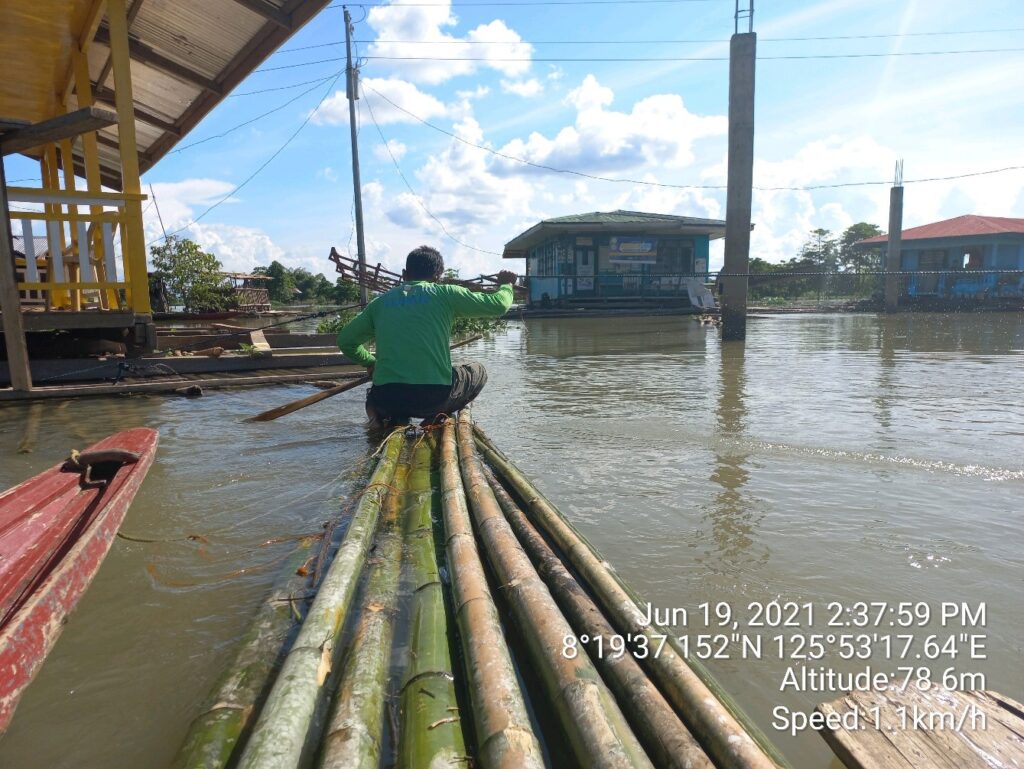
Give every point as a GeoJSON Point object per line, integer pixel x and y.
{"type": "Point", "coordinates": [288, 408]}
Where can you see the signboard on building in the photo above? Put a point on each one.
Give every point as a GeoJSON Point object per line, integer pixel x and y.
{"type": "Point", "coordinates": [632, 250]}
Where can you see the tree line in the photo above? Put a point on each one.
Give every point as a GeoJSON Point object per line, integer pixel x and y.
{"type": "Point", "coordinates": [183, 274]}
{"type": "Point", "coordinates": [825, 253]}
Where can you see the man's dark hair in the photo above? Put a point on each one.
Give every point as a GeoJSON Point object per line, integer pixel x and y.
{"type": "Point", "coordinates": [424, 263]}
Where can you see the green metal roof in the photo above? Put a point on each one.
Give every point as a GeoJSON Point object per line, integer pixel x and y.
{"type": "Point", "coordinates": [630, 217]}
{"type": "Point", "coordinates": [614, 221]}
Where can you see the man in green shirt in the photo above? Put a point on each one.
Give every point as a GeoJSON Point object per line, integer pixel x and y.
{"type": "Point", "coordinates": [411, 324]}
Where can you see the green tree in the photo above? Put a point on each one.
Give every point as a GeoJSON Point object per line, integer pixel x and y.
{"type": "Point", "coordinates": [345, 292]}
{"type": "Point", "coordinates": [863, 258]}
{"type": "Point", "coordinates": [191, 275]}
{"type": "Point", "coordinates": [281, 286]}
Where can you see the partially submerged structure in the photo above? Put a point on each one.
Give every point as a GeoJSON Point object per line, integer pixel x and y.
{"type": "Point", "coordinates": [627, 258]}
{"type": "Point", "coordinates": [104, 89]}
{"type": "Point", "coordinates": [968, 259]}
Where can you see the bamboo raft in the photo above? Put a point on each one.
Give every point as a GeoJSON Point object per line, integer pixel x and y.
{"type": "Point", "coordinates": [444, 633]}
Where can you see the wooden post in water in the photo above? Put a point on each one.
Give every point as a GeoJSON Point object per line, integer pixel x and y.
{"type": "Point", "coordinates": [10, 302]}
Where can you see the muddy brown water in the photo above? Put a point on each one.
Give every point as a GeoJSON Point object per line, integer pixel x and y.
{"type": "Point", "coordinates": [830, 459]}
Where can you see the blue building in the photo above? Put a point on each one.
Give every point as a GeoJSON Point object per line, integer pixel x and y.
{"type": "Point", "coordinates": [967, 259]}
{"type": "Point", "coordinates": [626, 258]}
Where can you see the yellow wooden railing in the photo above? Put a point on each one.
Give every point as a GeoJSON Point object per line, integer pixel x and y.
{"type": "Point", "coordinates": [80, 267]}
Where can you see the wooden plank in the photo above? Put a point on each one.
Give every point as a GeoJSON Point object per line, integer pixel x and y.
{"type": "Point", "coordinates": [54, 321]}
{"type": "Point", "coordinates": [53, 130]}
{"type": "Point", "coordinates": [10, 301]}
{"type": "Point", "coordinates": [259, 343]}
{"type": "Point", "coordinates": [934, 729]}
{"type": "Point", "coordinates": [76, 391]}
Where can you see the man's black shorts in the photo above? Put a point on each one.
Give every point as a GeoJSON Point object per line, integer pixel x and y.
{"type": "Point", "coordinates": [402, 401]}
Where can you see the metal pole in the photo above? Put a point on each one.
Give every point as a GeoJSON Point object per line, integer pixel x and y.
{"type": "Point", "coordinates": [352, 92]}
{"type": "Point", "coordinates": [10, 302]}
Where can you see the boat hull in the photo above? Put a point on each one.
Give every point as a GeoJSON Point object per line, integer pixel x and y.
{"type": "Point", "coordinates": [38, 614]}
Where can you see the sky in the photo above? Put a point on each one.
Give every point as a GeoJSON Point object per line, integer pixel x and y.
{"type": "Point", "coordinates": [561, 85]}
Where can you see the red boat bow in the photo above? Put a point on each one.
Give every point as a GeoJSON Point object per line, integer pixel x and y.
{"type": "Point", "coordinates": [55, 531]}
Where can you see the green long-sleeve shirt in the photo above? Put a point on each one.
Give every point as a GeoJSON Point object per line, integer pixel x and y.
{"type": "Point", "coordinates": [412, 326]}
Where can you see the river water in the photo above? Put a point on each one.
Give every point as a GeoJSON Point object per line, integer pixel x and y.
{"type": "Point", "coordinates": [830, 459]}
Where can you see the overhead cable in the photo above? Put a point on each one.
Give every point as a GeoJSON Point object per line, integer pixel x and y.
{"type": "Point", "coordinates": [265, 163]}
{"type": "Point", "coordinates": [412, 192]}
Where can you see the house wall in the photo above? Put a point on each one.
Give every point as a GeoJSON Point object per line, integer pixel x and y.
{"type": "Point", "coordinates": [997, 252]}
{"type": "Point", "coordinates": [554, 264]}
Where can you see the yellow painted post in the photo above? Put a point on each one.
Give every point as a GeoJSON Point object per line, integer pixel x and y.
{"type": "Point", "coordinates": [91, 161]}
{"type": "Point", "coordinates": [133, 242]}
{"type": "Point", "coordinates": [51, 184]}
{"type": "Point", "coordinates": [69, 184]}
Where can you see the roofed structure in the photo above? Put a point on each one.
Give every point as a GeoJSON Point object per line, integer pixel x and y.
{"type": "Point", "coordinates": [968, 225]}
{"type": "Point", "coordinates": [614, 221]}
{"type": "Point", "coordinates": [186, 56]}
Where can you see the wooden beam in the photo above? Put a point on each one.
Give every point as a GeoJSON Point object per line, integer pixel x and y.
{"type": "Point", "coordinates": [133, 242]}
{"type": "Point", "coordinates": [251, 56]}
{"type": "Point", "coordinates": [133, 11]}
{"type": "Point", "coordinates": [53, 130]}
{"type": "Point", "coordinates": [92, 23]}
{"type": "Point", "coordinates": [106, 95]}
{"type": "Point", "coordinates": [10, 301]}
{"type": "Point", "coordinates": [144, 54]}
{"type": "Point", "coordinates": [268, 12]}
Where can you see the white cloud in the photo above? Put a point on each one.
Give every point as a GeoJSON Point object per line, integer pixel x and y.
{"type": "Point", "coordinates": [493, 44]}
{"type": "Point", "coordinates": [524, 88]}
{"type": "Point", "coordinates": [477, 93]}
{"type": "Point", "coordinates": [328, 173]}
{"type": "Point", "coordinates": [393, 149]}
{"type": "Point", "coordinates": [658, 131]}
{"type": "Point", "coordinates": [405, 95]}
{"type": "Point", "coordinates": [459, 188]}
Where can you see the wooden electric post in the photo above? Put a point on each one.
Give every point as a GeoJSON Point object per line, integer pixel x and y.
{"type": "Point", "coordinates": [352, 92]}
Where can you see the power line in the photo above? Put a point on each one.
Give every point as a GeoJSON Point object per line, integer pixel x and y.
{"type": "Point", "coordinates": [502, 60]}
{"type": "Point", "coordinates": [648, 183]}
{"type": "Point", "coordinates": [620, 41]}
{"type": "Point", "coordinates": [323, 79]}
{"type": "Point", "coordinates": [247, 122]}
{"type": "Point", "coordinates": [610, 59]}
{"type": "Point", "coordinates": [412, 192]}
{"type": "Point", "coordinates": [266, 163]}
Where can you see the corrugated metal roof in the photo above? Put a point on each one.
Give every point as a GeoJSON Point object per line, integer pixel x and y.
{"type": "Point", "coordinates": [42, 245]}
{"type": "Point", "coordinates": [958, 227]}
{"type": "Point", "coordinates": [187, 55]}
{"type": "Point", "coordinates": [630, 217]}
{"type": "Point", "coordinates": [614, 221]}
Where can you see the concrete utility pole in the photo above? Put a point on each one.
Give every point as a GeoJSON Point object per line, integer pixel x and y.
{"type": "Point", "coordinates": [10, 301]}
{"type": "Point", "coordinates": [352, 92]}
{"type": "Point", "coordinates": [892, 251]}
{"type": "Point", "coordinates": [742, 56]}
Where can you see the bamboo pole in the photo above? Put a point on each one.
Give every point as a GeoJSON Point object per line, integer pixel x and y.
{"type": "Point", "coordinates": [710, 718]}
{"type": "Point", "coordinates": [595, 726]}
{"type": "Point", "coordinates": [664, 736]}
{"type": "Point", "coordinates": [430, 734]}
{"type": "Point", "coordinates": [280, 734]}
{"type": "Point", "coordinates": [504, 736]}
{"type": "Point", "coordinates": [353, 738]}
{"type": "Point", "coordinates": [213, 735]}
